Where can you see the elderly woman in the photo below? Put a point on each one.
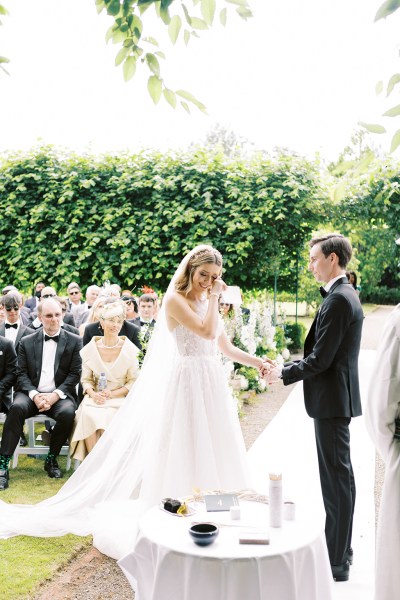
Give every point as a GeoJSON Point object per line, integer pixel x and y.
{"type": "Point", "coordinates": [114, 356]}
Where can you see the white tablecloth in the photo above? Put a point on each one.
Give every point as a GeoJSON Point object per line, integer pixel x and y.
{"type": "Point", "coordinates": [166, 564]}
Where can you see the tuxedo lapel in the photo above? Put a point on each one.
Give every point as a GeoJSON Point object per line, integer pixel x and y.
{"type": "Point", "coordinates": [62, 342]}
{"type": "Point", "coordinates": [3, 329]}
{"type": "Point", "coordinates": [38, 353]}
{"type": "Point", "coordinates": [21, 330]}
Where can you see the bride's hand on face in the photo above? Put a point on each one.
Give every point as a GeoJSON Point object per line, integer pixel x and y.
{"type": "Point", "coordinates": [218, 286]}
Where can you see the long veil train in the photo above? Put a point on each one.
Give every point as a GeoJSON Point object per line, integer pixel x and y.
{"type": "Point", "coordinates": [110, 478]}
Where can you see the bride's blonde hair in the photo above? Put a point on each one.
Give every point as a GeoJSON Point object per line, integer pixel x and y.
{"type": "Point", "coordinates": [199, 256]}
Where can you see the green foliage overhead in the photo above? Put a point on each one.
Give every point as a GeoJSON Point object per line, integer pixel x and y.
{"type": "Point", "coordinates": [137, 47]}
{"type": "Point", "coordinates": [130, 218]}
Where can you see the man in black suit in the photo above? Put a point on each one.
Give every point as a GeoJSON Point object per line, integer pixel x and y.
{"type": "Point", "coordinates": [131, 331]}
{"type": "Point", "coordinates": [14, 330]}
{"type": "Point", "coordinates": [8, 370]}
{"type": "Point", "coordinates": [49, 369]}
{"type": "Point", "coordinates": [329, 370]}
{"type": "Point", "coordinates": [33, 302]}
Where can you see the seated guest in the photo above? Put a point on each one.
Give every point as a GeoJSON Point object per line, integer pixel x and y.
{"type": "Point", "coordinates": [132, 311]}
{"type": "Point", "coordinates": [33, 302]}
{"type": "Point", "coordinates": [49, 292]}
{"type": "Point", "coordinates": [49, 369]}
{"type": "Point", "coordinates": [66, 316]}
{"type": "Point", "coordinates": [128, 329]}
{"type": "Point", "coordinates": [14, 330]}
{"type": "Point", "coordinates": [92, 293]}
{"type": "Point", "coordinates": [93, 313]}
{"type": "Point", "coordinates": [114, 356]}
{"type": "Point", "coordinates": [76, 306]}
{"type": "Point", "coordinates": [8, 374]}
{"type": "Point", "coordinates": [115, 290]}
{"type": "Point", "coordinates": [24, 313]}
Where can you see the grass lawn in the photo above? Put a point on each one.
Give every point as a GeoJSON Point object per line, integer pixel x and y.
{"type": "Point", "coordinates": [26, 562]}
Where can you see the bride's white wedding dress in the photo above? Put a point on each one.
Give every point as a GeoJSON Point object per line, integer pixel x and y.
{"type": "Point", "coordinates": [177, 430]}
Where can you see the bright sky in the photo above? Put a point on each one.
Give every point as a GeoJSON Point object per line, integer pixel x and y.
{"type": "Point", "coordinates": [300, 74]}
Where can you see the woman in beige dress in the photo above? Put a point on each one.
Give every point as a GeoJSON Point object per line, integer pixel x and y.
{"type": "Point", "coordinates": [117, 358]}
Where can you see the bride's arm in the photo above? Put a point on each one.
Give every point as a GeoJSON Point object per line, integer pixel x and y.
{"type": "Point", "coordinates": [179, 310]}
{"type": "Point", "coordinates": [237, 355]}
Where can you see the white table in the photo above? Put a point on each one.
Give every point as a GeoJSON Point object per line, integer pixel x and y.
{"type": "Point", "coordinates": [166, 564]}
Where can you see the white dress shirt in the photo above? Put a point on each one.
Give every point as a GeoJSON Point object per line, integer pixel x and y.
{"type": "Point", "coordinates": [46, 381]}
{"type": "Point", "coordinates": [11, 333]}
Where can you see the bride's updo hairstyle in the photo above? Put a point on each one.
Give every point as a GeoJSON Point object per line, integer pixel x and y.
{"type": "Point", "coordinates": [200, 255]}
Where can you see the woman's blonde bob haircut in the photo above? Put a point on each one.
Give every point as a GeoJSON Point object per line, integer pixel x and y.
{"type": "Point", "coordinates": [199, 256]}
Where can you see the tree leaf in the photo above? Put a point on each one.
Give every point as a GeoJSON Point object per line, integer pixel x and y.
{"type": "Point", "coordinates": [208, 10]}
{"type": "Point", "coordinates": [379, 87]}
{"type": "Point", "coordinates": [153, 64]}
{"type": "Point", "coordinates": [372, 128]}
{"type": "Point", "coordinates": [129, 68]}
{"type": "Point", "coordinates": [386, 9]}
{"type": "Point", "coordinates": [154, 85]}
{"type": "Point", "coordinates": [151, 40]}
{"type": "Point", "coordinates": [170, 97]}
{"type": "Point", "coordinates": [198, 23]}
{"type": "Point", "coordinates": [3, 59]}
{"type": "Point", "coordinates": [188, 96]}
{"type": "Point", "coordinates": [395, 141]}
{"type": "Point", "coordinates": [186, 36]}
{"type": "Point", "coordinates": [3, 10]}
{"type": "Point", "coordinates": [392, 112]}
{"type": "Point", "coordinates": [113, 7]}
{"type": "Point", "coordinates": [187, 16]}
{"type": "Point", "coordinates": [394, 80]}
{"type": "Point", "coordinates": [174, 28]}
{"type": "Point", "coordinates": [243, 12]}
{"type": "Point", "coordinates": [186, 107]}
{"type": "Point", "coordinates": [122, 54]}
{"type": "Point", "coordinates": [223, 16]}
{"type": "Point", "coordinates": [160, 54]}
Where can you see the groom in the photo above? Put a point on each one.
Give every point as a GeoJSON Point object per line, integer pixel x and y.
{"type": "Point", "coordinates": [329, 370]}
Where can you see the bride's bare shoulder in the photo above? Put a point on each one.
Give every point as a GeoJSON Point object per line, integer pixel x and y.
{"type": "Point", "coordinates": [174, 299]}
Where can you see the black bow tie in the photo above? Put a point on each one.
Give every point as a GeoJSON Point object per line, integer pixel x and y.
{"type": "Point", "coordinates": [8, 325]}
{"type": "Point", "coordinates": [323, 291]}
{"type": "Point", "coordinates": [144, 323]}
{"type": "Point", "coordinates": [49, 337]}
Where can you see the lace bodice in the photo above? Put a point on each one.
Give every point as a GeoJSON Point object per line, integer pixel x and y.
{"type": "Point", "coordinates": [190, 344]}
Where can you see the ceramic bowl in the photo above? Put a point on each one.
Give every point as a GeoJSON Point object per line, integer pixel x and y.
{"type": "Point", "coordinates": [204, 534]}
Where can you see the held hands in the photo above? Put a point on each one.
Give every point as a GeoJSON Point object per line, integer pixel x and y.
{"type": "Point", "coordinates": [270, 371]}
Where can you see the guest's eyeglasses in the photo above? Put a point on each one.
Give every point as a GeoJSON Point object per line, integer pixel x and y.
{"type": "Point", "coordinates": [224, 304]}
{"type": "Point", "coordinates": [10, 308]}
{"type": "Point", "coordinates": [64, 309]}
{"type": "Point", "coordinates": [73, 293]}
{"type": "Point", "coordinates": [49, 296]}
{"type": "Point", "coordinates": [128, 302]}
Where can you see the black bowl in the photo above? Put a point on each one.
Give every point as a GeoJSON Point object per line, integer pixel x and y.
{"type": "Point", "coordinates": [204, 534]}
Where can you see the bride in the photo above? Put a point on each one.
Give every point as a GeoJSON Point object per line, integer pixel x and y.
{"type": "Point", "coordinates": [176, 431]}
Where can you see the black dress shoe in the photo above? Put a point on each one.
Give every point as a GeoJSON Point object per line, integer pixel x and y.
{"type": "Point", "coordinates": [349, 555]}
{"type": "Point", "coordinates": [4, 477]}
{"type": "Point", "coordinates": [52, 468]}
{"type": "Point", "coordinates": [341, 572]}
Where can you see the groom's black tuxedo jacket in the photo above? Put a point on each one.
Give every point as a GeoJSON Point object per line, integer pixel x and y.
{"type": "Point", "coordinates": [330, 364]}
{"type": "Point", "coordinates": [67, 365]}
{"type": "Point", "coordinates": [8, 370]}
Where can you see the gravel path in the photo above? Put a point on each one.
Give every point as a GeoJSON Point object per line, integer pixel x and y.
{"type": "Point", "coordinates": [93, 576]}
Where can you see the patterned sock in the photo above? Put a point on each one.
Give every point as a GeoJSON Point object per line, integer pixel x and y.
{"type": "Point", "coordinates": [4, 461]}
{"type": "Point", "coordinates": [50, 456]}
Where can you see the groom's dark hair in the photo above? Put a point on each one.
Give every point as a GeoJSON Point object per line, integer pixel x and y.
{"type": "Point", "coordinates": [336, 243]}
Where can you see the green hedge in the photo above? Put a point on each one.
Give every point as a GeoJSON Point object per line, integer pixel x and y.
{"type": "Point", "coordinates": [130, 218]}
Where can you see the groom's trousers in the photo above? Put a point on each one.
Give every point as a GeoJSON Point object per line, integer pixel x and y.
{"type": "Point", "coordinates": [337, 483]}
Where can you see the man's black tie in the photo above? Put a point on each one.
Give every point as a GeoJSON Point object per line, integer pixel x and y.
{"type": "Point", "coordinates": [14, 326]}
{"type": "Point", "coordinates": [323, 291]}
{"type": "Point", "coordinates": [48, 337]}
